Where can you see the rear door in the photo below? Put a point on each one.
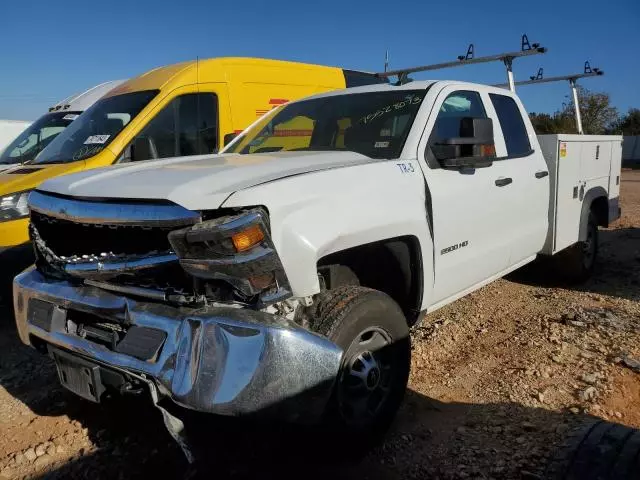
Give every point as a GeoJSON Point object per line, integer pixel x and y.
{"type": "Point", "coordinates": [530, 175]}
{"type": "Point", "coordinates": [473, 212]}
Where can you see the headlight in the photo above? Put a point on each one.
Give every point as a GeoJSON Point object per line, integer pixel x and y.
{"type": "Point", "coordinates": [14, 206]}
{"type": "Point", "coordinates": [236, 249]}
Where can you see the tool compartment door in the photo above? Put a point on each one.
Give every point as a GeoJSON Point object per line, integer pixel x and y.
{"type": "Point", "coordinates": [568, 204]}
{"type": "Point", "coordinates": [595, 162]}
{"type": "Point", "coordinates": [616, 165]}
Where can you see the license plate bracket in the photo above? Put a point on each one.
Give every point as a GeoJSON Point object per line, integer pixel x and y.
{"type": "Point", "coordinates": [79, 376]}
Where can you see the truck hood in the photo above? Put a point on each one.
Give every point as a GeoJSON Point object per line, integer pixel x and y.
{"type": "Point", "coordinates": [197, 183]}
{"type": "Point", "coordinates": [18, 178]}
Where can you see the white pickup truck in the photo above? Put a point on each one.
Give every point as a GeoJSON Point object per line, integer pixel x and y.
{"type": "Point", "coordinates": [283, 275]}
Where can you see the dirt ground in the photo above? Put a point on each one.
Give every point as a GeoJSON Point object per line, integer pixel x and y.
{"type": "Point", "coordinates": [499, 379]}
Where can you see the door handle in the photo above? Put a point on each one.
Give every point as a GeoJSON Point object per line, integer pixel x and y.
{"type": "Point", "coordinates": [541, 174]}
{"type": "Point", "coordinates": [501, 182]}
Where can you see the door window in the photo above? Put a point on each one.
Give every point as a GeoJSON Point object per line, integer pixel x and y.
{"type": "Point", "coordinates": [188, 125]}
{"type": "Point", "coordinates": [456, 106]}
{"type": "Point", "coordinates": [513, 128]}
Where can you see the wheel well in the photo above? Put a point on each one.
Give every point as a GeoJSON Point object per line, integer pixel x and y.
{"type": "Point", "coordinates": [393, 266]}
{"type": "Point", "coordinates": [600, 209]}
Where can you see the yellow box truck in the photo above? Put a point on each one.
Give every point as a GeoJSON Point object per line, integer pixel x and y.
{"type": "Point", "coordinates": [189, 108]}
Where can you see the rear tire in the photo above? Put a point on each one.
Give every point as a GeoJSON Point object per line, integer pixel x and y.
{"type": "Point", "coordinates": [372, 331]}
{"type": "Point", "coordinates": [578, 261]}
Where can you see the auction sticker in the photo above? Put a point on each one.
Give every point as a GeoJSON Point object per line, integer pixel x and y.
{"type": "Point", "coordinates": [96, 139]}
{"type": "Point", "coordinates": [563, 149]}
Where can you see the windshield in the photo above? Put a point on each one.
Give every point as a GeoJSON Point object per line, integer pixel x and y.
{"type": "Point", "coordinates": [96, 128]}
{"type": "Point", "coordinates": [375, 124]}
{"type": "Point", "coordinates": [37, 136]}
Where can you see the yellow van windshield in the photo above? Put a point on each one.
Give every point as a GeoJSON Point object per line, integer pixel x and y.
{"type": "Point", "coordinates": [92, 131]}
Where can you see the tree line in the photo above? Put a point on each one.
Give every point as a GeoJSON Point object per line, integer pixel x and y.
{"type": "Point", "coordinates": [598, 117]}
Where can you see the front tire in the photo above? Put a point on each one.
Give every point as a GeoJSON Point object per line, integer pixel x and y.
{"type": "Point", "coordinates": [372, 331]}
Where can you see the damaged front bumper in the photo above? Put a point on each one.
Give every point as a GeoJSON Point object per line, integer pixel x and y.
{"type": "Point", "coordinates": [222, 360]}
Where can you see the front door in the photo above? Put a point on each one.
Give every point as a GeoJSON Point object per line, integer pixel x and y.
{"type": "Point", "coordinates": [472, 210]}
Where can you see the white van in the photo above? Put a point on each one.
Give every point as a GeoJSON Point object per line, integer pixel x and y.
{"type": "Point", "coordinates": [40, 133]}
{"type": "Point", "coordinates": [10, 129]}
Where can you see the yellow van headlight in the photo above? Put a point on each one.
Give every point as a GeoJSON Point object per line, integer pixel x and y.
{"type": "Point", "coordinates": [14, 206]}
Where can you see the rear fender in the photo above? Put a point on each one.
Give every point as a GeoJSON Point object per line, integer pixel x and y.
{"type": "Point", "coordinates": [587, 203]}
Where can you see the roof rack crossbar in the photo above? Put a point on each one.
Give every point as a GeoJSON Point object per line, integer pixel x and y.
{"type": "Point", "coordinates": [507, 58]}
{"type": "Point", "coordinates": [539, 79]}
{"type": "Point", "coordinates": [572, 79]}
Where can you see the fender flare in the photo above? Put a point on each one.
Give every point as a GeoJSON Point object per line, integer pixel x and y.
{"type": "Point", "coordinates": [590, 196]}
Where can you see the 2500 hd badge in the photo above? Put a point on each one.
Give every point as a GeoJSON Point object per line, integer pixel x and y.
{"type": "Point", "coordinates": [454, 247]}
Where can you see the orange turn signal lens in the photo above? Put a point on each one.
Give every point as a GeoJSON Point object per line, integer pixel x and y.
{"type": "Point", "coordinates": [248, 238]}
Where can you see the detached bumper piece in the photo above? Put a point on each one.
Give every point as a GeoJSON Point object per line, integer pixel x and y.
{"type": "Point", "coordinates": [228, 361]}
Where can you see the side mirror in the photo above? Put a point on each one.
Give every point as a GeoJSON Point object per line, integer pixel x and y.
{"type": "Point", "coordinates": [228, 138]}
{"type": "Point", "coordinates": [474, 148]}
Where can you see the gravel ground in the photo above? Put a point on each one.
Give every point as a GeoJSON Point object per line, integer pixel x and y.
{"type": "Point", "coordinates": [499, 379]}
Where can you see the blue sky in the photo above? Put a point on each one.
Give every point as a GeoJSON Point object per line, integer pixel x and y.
{"type": "Point", "coordinates": [53, 49]}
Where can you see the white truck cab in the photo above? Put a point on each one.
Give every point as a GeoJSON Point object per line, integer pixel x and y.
{"type": "Point", "coordinates": [282, 275]}
{"type": "Point", "coordinates": [37, 135]}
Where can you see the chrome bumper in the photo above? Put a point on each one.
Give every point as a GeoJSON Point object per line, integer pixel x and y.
{"type": "Point", "coordinates": [227, 361]}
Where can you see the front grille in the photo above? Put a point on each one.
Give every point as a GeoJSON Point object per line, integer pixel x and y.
{"type": "Point", "coordinates": [68, 239]}
{"type": "Point", "coordinates": [118, 243]}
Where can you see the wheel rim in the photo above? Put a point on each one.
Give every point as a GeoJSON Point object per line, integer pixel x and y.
{"type": "Point", "coordinates": [589, 247]}
{"type": "Point", "coordinates": [366, 378]}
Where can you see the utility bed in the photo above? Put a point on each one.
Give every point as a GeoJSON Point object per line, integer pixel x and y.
{"type": "Point", "coordinates": [578, 163]}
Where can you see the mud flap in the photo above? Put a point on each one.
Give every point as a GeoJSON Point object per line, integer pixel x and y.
{"type": "Point", "coordinates": [174, 425]}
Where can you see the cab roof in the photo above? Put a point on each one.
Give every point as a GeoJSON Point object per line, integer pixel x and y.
{"type": "Point", "coordinates": [413, 85]}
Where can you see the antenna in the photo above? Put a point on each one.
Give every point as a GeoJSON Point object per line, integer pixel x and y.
{"type": "Point", "coordinates": [572, 79]}
{"type": "Point", "coordinates": [198, 101]}
{"type": "Point", "coordinates": [386, 60]}
{"type": "Point", "coordinates": [507, 58]}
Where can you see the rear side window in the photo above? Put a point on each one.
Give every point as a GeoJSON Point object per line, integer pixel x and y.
{"type": "Point", "coordinates": [186, 126]}
{"type": "Point", "coordinates": [513, 128]}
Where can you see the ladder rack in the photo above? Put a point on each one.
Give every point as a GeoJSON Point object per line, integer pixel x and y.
{"type": "Point", "coordinates": [526, 49]}
{"type": "Point", "coordinates": [572, 79]}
